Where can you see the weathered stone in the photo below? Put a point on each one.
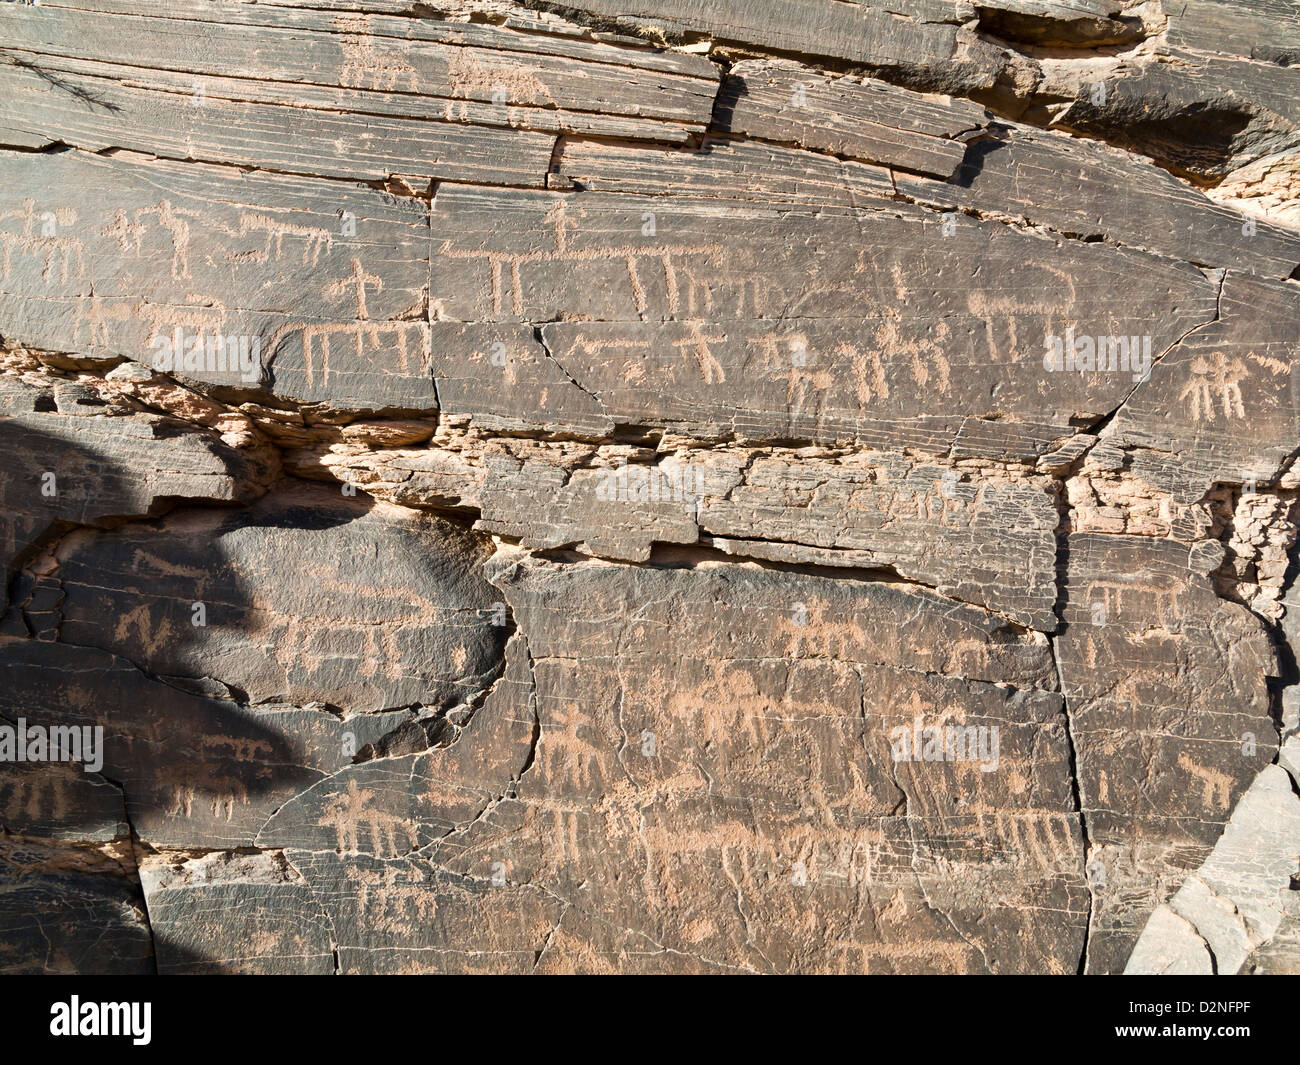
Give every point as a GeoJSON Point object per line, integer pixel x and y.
{"type": "Point", "coordinates": [868, 120]}
{"type": "Point", "coordinates": [1069, 185]}
{"type": "Point", "coordinates": [922, 47]}
{"type": "Point", "coordinates": [1173, 949]}
{"type": "Point", "coordinates": [615, 486]}
{"type": "Point", "coordinates": [88, 467]}
{"type": "Point", "coordinates": [275, 924]}
{"type": "Point", "coordinates": [229, 767]}
{"type": "Point", "coordinates": [69, 912]}
{"type": "Point", "coordinates": [377, 807]}
{"type": "Point", "coordinates": [688, 680]}
{"type": "Point", "coordinates": [1238, 900]}
{"type": "Point", "coordinates": [393, 610]}
{"type": "Point", "coordinates": [745, 322]}
{"type": "Point", "coordinates": [427, 69]}
{"type": "Point", "coordinates": [310, 284]}
{"type": "Point", "coordinates": [1223, 405]}
{"type": "Point", "coordinates": [1169, 720]}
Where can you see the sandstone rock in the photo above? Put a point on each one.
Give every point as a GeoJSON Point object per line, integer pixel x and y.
{"type": "Point", "coordinates": [650, 487]}
{"type": "Point", "coordinates": [85, 468]}
{"type": "Point", "coordinates": [394, 613]}
{"type": "Point", "coordinates": [66, 914]}
{"type": "Point", "coordinates": [1169, 718]}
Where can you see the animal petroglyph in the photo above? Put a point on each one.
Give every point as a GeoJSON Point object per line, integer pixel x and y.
{"type": "Point", "coordinates": [411, 341]}
{"type": "Point", "coordinates": [1141, 598]}
{"type": "Point", "coordinates": [395, 897]}
{"type": "Point", "coordinates": [351, 812]}
{"type": "Point", "coordinates": [1216, 786]}
{"type": "Point", "coordinates": [991, 310]}
{"type": "Point", "coordinates": [222, 790]}
{"type": "Point", "coordinates": [316, 240]}
{"type": "Point", "coordinates": [182, 225]}
{"type": "Point", "coordinates": [1215, 377]}
{"type": "Point", "coordinates": [507, 267]}
{"type": "Point", "coordinates": [39, 237]}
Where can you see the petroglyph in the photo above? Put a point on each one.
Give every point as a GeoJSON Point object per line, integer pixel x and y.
{"type": "Point", "coordinates": [1215, 387]}
{"type": "Point", "coordinates": [368, 64]}
{"type": "Point", "coordinates": [470, 77]}
{"type": "Point", "coordinates": [578, 487]}
{"type": "Point", "coordinates": [411, 342]}
{"type": "Point", "coordinates": [358, 823]}
{"type": "Point", "coordinates": [1216, 787]}
{"type": "Point", "coordinates": [672, 260]}
{"type": "Point", "coordinates": [39, 236]}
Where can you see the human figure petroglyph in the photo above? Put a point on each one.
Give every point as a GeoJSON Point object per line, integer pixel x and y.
{"type": "Point", "coordinates": [349, 812]}
{"type": "Point", "coordinates": [1216, 786]}
{"type": "Point", "coordinates": [358, 281]}
{"type": "Point", "coordinates": [65, 251]}
{"type": "Point", "coordinates": [696, 343]}
{"type": "Point", "coordinates": [672, 260]}
{"type": "Point", "coordinates": [564, 751]}
{"type": "Point", "coordinates": [915, 707]}
{"type": "Point", "coordinates": [1215, 376]}
{"type": "Point", "coordinates": [366, 65]}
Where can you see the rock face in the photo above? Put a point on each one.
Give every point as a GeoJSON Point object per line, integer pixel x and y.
{"type": "Point", "coordinates": [650, 486]}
